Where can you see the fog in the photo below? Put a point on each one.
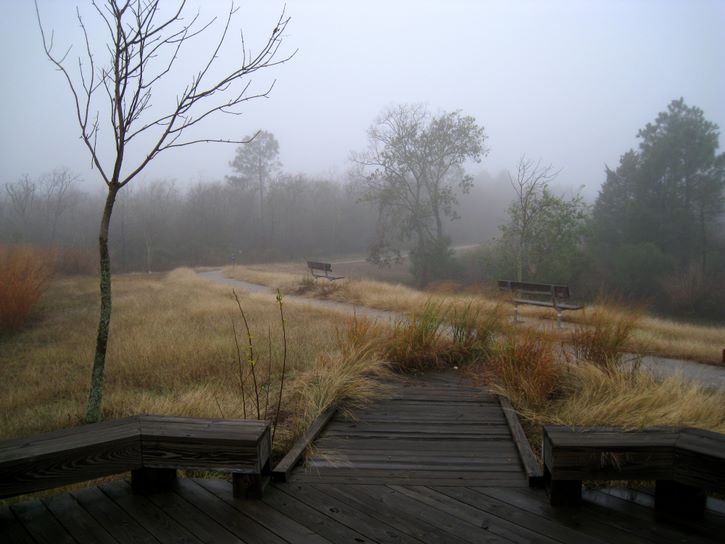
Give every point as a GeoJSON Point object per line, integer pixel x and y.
{"type": "Point", "coordinates": [568, 81]}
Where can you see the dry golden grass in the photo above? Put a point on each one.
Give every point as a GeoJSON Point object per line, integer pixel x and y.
{"type": "Point", "coordinates": [171, 352]}
{"type": "Point", "coordinates": [651, 335]}
{"type": "Point", "coordinates": [618, 396]}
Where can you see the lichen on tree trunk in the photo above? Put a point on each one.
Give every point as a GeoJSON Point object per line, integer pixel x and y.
{"type": "Point", "coordinates": [95, 394]}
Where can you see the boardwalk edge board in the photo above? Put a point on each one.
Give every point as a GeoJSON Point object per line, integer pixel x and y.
{"type": "Point", "coordinates": [283, 469]}
{"type": "Point", "coordinates": [531, 464]}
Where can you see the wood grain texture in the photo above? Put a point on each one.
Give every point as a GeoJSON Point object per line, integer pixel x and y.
{"type": "Point", "coordinates": [683, 461]}
{"type": "Point", "coordinates": [531, 464]}
{"type": "Point", "coordinates": [436, 427]}
{"type": "Point", "coordinates": [283, 469]}
{"type": "Point", "coordinates": [87, 452]}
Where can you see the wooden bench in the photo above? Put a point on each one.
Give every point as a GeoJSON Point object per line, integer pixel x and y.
{"type": "Point", "coordinates": [151, 447]}
{"type": "Point", "coordinates": [322, 270]}
{"type": "Point", "coordinates": [538, 294]}
{"type": "Point", "coordinates": [684, 462]}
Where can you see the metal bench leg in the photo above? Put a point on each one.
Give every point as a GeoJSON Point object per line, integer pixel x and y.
{"type": "Point", "coordinates": [558, 319]}
{"type": "Point", "coordinates": [516, 314]}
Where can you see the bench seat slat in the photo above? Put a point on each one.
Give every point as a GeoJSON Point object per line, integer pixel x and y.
{"type": "Point", "coordinates": [87, 452]}
{"type": "Point", "coordinates": [684, 462]}
{"type": "Point", "coordinates": [68, 466]}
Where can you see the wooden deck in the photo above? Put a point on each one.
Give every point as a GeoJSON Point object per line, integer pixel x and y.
{"type": "Point", "coordinates": [432, 463]}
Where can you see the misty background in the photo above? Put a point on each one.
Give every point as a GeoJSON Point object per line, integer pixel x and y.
{"type": "Point", "coordinates": [567, 82]}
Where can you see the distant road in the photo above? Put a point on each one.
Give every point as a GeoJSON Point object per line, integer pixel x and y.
{"type": "Point", "coordinates": [709, 375]}
{"type": "Point", "coordinates": [457, 249]}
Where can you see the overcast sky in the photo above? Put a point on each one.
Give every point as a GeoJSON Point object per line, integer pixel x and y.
{"type": "Point", "coordinates": [570, 82]}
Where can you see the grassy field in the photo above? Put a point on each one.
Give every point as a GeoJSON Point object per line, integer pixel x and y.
{"type": "Point", "coordinates": [172, 352]}
{"type": "Point", "coordinates": [652, 335]}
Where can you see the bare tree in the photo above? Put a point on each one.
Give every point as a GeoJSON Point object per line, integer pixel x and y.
{"type": "Point", "coordinates": [22, 196]}
{"type": "Point", "coordinates": [57, 185]}
{"type": "Point", "coordinates": [413, 171]}
{"type": "Point", "coordinates": [530, 185]}
{"type": "Point", "coordinates": [144, 42]}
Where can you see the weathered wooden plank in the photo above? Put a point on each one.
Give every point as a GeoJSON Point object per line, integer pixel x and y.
{"type": "Point", "coordinates": [133, 444]}
{"type": "Point", "coordinates": [277, 522]}
{"type": "Point", "coordinates": [588, 519]}
{"type": "Point", "coordinates": [79, 523]}
{"type": "Point", "coordinates": [645, 523]}
{"type": "Point", "coordinates": [593, 457]}
{"type": "Point", "coordinates": [373, 528]}
{"type": "Point", "coordinates": [206, 444]}
{"type": "Point", "coordinates": [146, 514]}
{"type": "Point", "coordinates": [482, 528]}
{"type": "Point", "coordinates": [76, 461]}
{"type": "Point", "coordinates": [610, 438]}
{"type": "Point", "coordinates": [282, 471]}
{"type": "Point", "coordinates": [412, 456]}
{"type": "Point", "coordinates": [530, 463]}
{"type": "Point", "coordinates": [325, 466]}
{"type": "Point", "coordinates": [116, 521]}
{"type": "Point", "coordinates": [218, 511]}
{"type": "Point", "coordinates": [375, 502]}
{"type": "Point", "coordinates": [40, 523]}
{"type": "Point", "coordinates": [471, 444]}
{"type": "Point", "coordinates": [308, 515]}
{"type": "Point", "coordinates": [192, 518]}
{"type": "Point", "coordinates": [498, 522]}
{"type": "Point", "coordinates": [11, 530]}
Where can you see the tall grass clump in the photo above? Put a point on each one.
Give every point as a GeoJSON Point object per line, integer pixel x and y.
{"type": "Point", "coordinates": [420, 342]}
{"type": "Point", "coordinates": [24, 276]}
{"type": "Point", "coordinates": [618, 396]}
{"type": "Point", "coordinates": [353, 372]}
{"type": "Point", "coordinates": [524, 368]}
{"type": "Point", "coordinates": [605, 335]}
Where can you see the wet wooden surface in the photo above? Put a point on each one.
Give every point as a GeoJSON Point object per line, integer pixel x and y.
{"type": "Point", "coordinates": [434, 462]}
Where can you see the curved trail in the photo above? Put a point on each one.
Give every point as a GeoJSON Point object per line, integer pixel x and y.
{"type": "Point", "coordinates": [708, 375]}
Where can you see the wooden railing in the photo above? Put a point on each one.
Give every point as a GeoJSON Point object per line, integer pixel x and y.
{"type": "Point", "coordinates": [151, 447]}
{"type": "Point", "coordinates": [684, 462]}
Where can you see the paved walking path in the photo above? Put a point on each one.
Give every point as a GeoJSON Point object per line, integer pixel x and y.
{"type": "Point", "coordinates": [709, 375]}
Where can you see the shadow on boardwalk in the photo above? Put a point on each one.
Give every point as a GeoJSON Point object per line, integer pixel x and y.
{"type": "Point", "coordinates": [432, 463]}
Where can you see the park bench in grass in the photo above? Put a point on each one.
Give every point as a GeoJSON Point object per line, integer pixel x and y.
{"type": "Point", "coordinates": [684, 462]}
{"type": "Point", "coordinates": [538, 294]}
{"type": "Point", "coordinates": [322, 270]}
{"type": "Point", "coordinates": [151, 447]}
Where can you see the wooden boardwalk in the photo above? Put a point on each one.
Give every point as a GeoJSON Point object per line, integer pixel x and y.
{"type": "Point", "coordinates": [433, 428]}
{"type": "Point", "coordinates": [433, 463]}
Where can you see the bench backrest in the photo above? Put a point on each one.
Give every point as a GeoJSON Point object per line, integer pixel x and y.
{"type": "Point", "coordinates": [314, 265]}
{"type": "Point", "coordinates": [48, 460]}
{"type": "Point", "coordinates": [560, 292]}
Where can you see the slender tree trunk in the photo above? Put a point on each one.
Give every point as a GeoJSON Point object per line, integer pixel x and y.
{"type": "Point", "coordinates": [422, 272]}
{"type": "Point", "coordinates": [703, 244]}
{"type": "Point", "coordinates": [95, 395]}
{"type": "Point", "coordinates": [148, 256]}
{"type": "Point", "coordinates": [520, 261]}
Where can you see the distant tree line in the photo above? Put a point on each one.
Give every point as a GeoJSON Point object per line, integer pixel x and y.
{"type": "Point", "coordinates": [158, 225]}
{"type": "Point", "coordinates": [655, 234]}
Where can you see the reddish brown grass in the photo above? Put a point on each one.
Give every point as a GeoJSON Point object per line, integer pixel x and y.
{"type": "Point", "coordinates": [24, 275]}
{"type": "Point", "coordinates": [524, 368]}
